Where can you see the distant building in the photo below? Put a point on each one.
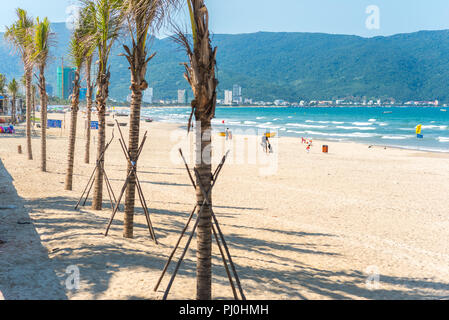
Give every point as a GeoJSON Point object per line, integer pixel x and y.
{"type": "Point", "coordinates": [248, 101]}
{"type": "Point", "coordinates": [64, 82]}
{"type": "Point", "coordinates": [182, 96]}
{"type": "Point", "coordinates": [49, 89]}
{"type": "Point", "coordinates": [148, 96]}
{"type": "Point", "coordinates": [228, 98]}
{"type": "Point", "coordinates": [237, 94]}
{"type": "Point", "coordinates": [83, 93]}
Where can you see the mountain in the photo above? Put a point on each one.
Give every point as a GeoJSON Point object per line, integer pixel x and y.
{"type": "Point", "coordinates": [290, 66]}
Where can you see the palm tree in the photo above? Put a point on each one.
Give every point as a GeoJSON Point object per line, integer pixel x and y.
{"type": "Point", "coordinates": [13, 88]}
{"type": "Point", "coordinates": [104, 20]}
{"type": "Point", "coordinates": [20, 34]}
{"type": "Point", "coordinates": [3, 92]}
{"type": "Point", "coordinates": [88, 106]}
{"type": "Point", "coordinates": [200, 73]}
{"type": "Point", "coordinates": [33, 101]}
{"type": "Point", "coordinates": [141, 15]}
{"type": "Point", "coordinates": [78, 53]}
{"type": "Point", "coordinates": [40, 58]}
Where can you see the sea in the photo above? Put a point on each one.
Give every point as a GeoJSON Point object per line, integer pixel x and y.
{"type": "Point", "coordinates": [383, 126]}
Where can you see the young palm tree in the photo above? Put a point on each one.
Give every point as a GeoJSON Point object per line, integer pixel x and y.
{"type": "Point", "coordinates": [13, 88]}
{"type": "Point", "coordinates": [78, 53]}
{"type": "Point", "coordinates": [200, 73]}
{"type": "Point", "coordinates": [40, 57]}
{"type": "Point", "coordinates": [88, 106]}
{"type": "Point", "coordinates": [3, 92]}
{"type": "Point", "coordinates": [104, 20]}
{"type": "Point", "coordinates": [141, 16]}
{"type": "Point", "coordinates": [20, 34]}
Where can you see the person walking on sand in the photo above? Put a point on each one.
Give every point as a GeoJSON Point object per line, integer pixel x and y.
{"type": "Point", "coordinates": [269, 148]}
{"type": "Point", "coordinates": [265, 143]}
{"type": "Point", "coordinates": [228, 134]}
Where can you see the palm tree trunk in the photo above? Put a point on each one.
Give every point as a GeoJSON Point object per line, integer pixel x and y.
{"type": "Point", "coordinates": [204, 234]}
{"type": "Point", "coordinates": [102, 95]}
{"type": "Point", "coordinates": [89, 108]}
{"type": "Point", "coordinates": [6, 104]}
{"type": "Point", "coordinates": [72, 138]}
{"type": "Point", "coordinates": [134, 128]}
{"type": "Point", "coordinates": [13, 109]}
{"type": "Point", "coordinates": [33, 89]}
{"type": "Point", "coordinates": [29, 102]}
{"type": "Point", "coordinates": [43, 96]}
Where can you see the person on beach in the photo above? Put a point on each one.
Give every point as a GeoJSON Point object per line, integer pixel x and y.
{"type": "Point", "coordinates": [269, 149]}
{"type": "Point", "coordinates": [264, 143]}
{"type": "Point", "coordinates": [309, 145]}
{"type": "Point", "coordinates": [228, 134]}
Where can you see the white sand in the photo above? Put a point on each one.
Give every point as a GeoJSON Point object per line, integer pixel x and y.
{"type": "Point", "coordinates": [310, 231]}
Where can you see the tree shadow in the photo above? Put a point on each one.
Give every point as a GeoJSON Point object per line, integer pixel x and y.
{"type": "Point", "coordinates": [267, 266]}
{"type": "Point", "coordinates": [26, 271]}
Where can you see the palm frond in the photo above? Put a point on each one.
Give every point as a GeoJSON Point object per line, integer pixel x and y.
{"type": "Point", "coordinates": [20, 34]}
{"type": "Point", "coordinates": [13, 87]}
{"type": "Point", "coordinates": [42, 41]}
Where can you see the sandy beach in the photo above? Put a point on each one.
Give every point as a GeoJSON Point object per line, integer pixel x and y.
{"type": "Point", "coordinates": [314, 226]}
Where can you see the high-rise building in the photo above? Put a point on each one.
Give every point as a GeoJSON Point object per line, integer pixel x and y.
{"type": "Point", "coordinates": [237, 94]}
{"type": "Point", "coordinates": [64, 82]}
{"type": "Point", "coordinates": [83, 93]}
{"type": "Point", "coordinates": [49, 89]}
{"type": "Point", "coordinates": [182, 96]}
{"type": "Point", "coordinates": [228, 97]}
{"type": "Point", "coordinates": [148, 96]}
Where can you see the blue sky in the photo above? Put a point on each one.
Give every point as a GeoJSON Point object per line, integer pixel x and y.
{"type": "Point", "coordinates": [329, 16]}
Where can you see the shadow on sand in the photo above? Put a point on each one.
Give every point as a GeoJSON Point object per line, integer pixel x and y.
{"type": "Point", "coordinates": [29, 271]}
{"type": "Point", "coordinates": [26, 271]}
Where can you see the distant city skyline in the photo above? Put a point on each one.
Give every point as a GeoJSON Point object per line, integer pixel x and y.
{"type": "Point", "coordinates": [327, 16]}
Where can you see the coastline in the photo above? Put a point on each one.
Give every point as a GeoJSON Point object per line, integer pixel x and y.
{"type": "Point", "coordinates": [281, 136]}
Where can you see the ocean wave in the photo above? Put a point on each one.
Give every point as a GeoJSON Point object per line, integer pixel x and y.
{"type": "Point", "coordinates": [395, 137]}
{"type": "Point", "coordinates": [443, 139]}
{"type": "Point", "coordinates": [362, 123]}
{"type": "Point", "coordinates": [263, 126]}
{"type": "Point", "coordinates": [305, 125]}
{"type": "Point", "coordinates": [337, 122]}
{"type": "Point", "coordinates": [293, 131]}
{"type": "Point", "coordinates": [249, 122]}
{"type": "Point", "coordinates": [356, 128]}
{"type": "Point", "coordinates": [345, 135]}
{"type": "Point", "coordinates": [372, 120]}
{"type": "Point", "coordinates": [434, 127]}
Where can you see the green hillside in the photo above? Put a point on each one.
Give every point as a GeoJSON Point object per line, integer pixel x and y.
{"type": "Point", "coordinates": [291, 66]}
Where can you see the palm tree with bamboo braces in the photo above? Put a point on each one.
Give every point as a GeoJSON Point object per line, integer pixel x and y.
{"type": "Point", "coordinates": [103, 19]}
